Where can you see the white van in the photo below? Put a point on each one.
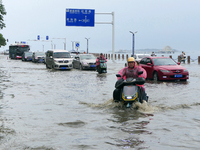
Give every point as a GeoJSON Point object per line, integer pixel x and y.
{"type": "Point", "coordinates": [58, 59]}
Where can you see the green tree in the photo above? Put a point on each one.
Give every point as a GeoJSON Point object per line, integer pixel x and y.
{"type": "Point", "coordinates": [2, 40]}
{"type": "Point", "coordinates": [2, 12]}
{"type": "Point", "coordinates": [2, 24]}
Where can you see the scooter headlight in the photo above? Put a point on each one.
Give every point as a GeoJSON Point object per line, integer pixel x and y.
{"type": "Point", "coordinates": [129, 97]}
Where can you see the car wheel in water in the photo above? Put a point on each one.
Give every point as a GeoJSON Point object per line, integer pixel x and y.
{"type": "Point", "coordinates": [155, 76]}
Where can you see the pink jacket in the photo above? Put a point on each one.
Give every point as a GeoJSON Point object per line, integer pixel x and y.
{"type": "Point", "coordinates": [133, 73]}
{"type": "Point", "coordinates": [100, 58]}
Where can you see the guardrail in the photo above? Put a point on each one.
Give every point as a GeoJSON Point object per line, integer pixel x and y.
{"type": "Point", "coordinates": [126, 56]}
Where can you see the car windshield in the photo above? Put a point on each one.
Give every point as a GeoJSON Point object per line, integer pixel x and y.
{"type": "Point", "coordinates": [87, 57]}
{"type": "Point", "coordinates": [29, 54]}
{"type": "Point", "coordinates": [163, 61]}
{"type": "Point", "coordinates": [39, 54]}
{"type": "Point", "coordinates": [61, 55]}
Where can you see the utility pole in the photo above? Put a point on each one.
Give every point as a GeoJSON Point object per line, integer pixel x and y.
{"type": "Point", "coordinates": [133, 46]}
{"type": "Point", "coordinates": [87, 44]}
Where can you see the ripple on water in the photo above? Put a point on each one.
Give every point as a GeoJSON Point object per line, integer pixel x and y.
{"type": "Point", "coordinates": [5, 133]}
{"type": "Point", "coordinates": [75, 124]}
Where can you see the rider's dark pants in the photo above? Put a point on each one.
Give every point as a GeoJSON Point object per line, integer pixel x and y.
{"type": "Point", "coordinates": [117, 94]}
{"type": "Point", "coordinates": [144, 95]}
{"type": "Point", "coordinates": [98, 67]}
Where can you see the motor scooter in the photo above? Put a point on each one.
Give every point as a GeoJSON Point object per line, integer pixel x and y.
{"type": "Point", "coordinates": [102, 68]}
{"type": "Point", "coordinates": [128, 92]}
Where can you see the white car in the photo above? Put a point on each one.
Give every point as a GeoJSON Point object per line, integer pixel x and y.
{"type": "Point", "coordinates": [84, 61]}
{"type": "Point", "coordinates": [138, 57]}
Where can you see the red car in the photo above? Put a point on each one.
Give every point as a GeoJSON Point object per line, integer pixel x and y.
{"type": "Point", "coordinates": [164, 68]}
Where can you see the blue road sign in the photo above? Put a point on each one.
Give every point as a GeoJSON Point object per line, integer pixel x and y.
{"type": "Point", "coordinates": [47, 37]}
{"type": "Point", "coordinates": [77, 44]}
{"type": "Point", "coordinates": [80, 17]}
{"type": "Point", "coordinates": [38, 37]}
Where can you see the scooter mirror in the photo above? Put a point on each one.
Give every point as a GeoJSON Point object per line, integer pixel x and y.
{"type": "Point", "coordinates": [118, 75]}
{"type": "Point", "coordinates": [140, 72]}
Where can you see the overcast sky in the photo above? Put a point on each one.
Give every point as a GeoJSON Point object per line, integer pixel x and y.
{"type": "Point", "coordinates": [160, 23]}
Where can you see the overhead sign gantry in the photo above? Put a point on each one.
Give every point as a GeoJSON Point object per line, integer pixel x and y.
{"type": "Point", "coordinates": [85, 17]}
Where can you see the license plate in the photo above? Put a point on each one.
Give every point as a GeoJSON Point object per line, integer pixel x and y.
{"type": "Point", "coordinates": [178, 75]}
{"type": "Point", "coordinates": [41, 59]}
{"type": "Point", "coordinates": [93, 66]}
{"type": "Point", "coordinates": [63, 67]}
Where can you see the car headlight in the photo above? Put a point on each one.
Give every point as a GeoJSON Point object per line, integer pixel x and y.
{"type": "Point", "coordinates": [164, 71]}
{"type": "Point", "coordinates": [55, 61]}
{"type": "Point", "coordinates": [185, 71]}
{"type": "Point", "coordinates": [84, 63]}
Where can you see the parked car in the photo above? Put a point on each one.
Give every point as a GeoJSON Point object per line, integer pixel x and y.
{"type": "Point", "coordinates": [85, 61]}
{"type": "Point", "coordinates": [73, 55]}
{"type": "Point", "coordinates": [138, 57]}
{"type": "Point", "coordinates": [38, 57]}
{"type": "Point", "coordinates": [164, 68]}
{"type": "Point", "coordinates": [58, 59]}
{"type": "Point", "coordinates": [74, 52]}
{"type": "Point", "coordinates": [27, 56]}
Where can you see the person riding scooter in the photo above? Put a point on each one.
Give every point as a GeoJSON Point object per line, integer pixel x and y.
{"type": "Point", "coordinates": [131, 72]}
{"type": "Point", "coordinates": [101, 57]}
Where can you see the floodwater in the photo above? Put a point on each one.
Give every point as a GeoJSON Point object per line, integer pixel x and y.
{"type": "Point", "coordinates": [43, 109]}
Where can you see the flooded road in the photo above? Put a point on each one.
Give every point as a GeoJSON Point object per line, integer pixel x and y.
{"type": "Point", "coordinates": [43, 109]}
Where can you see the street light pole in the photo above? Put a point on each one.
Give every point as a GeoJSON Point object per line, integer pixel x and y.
{"type": "Point", "coordinates": [72, 45]}
{"type": "Point", "coordinates": [87, 44]}
{"type": "Point", "coordinates": [133, 33]}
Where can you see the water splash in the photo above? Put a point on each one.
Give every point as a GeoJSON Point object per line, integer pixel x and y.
{"type": "Point", "coordinates": [109, 104]}
{"type": "Point", "coordinates": [144, 107]}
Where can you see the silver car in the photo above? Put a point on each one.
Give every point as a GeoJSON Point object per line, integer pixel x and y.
{"type": "Point", "coordinates": [38, 57]}
{"type": "Point", "coordinates": [84, 61]}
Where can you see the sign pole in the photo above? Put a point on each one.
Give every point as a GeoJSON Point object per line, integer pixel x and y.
{"type": "Point", "coordinates": [113, 29]}
{"type": "Point", "coordinates": [113, 35]}
{"type": "Point", "coordinates": [133, 44]}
